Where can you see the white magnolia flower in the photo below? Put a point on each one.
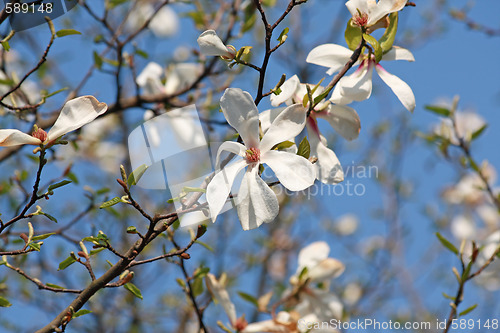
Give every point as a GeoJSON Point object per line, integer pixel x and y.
{"type": "Point", "coordinates": [343, 119]}
{"type": "Point", "coordinates": [164, 24]}
{"type": "Point", "coordinates": [467, 123]}
{"type": "Point", "coordinates": [211, 45]}
{"type": "Point", "coordinates": [74, 114]}
{"type": "Point", "coordinates": [367, 13]}
{"type": "Point", "coordinates": [256, 201]}
{"type": "Point", "coordinates": [318, 267]}
{"type": "Point", "coordinates": [358, 86]}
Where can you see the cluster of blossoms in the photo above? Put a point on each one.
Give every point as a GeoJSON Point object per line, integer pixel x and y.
{"type": "Point", "coordinates": [310, 299]}
{"type": "Point", "coordinates": [256, 202]}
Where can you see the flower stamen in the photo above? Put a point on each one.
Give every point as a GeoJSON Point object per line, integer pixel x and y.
{"type": "Point", "coordinates": [252, 155]}
{"type": "Point", "coordinates": [360, 19]}
{"type": "Point", "coordinates": [40, 134]}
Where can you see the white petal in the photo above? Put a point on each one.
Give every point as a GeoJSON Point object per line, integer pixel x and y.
{"type": "Point", "coordinates": [222, 296]}
{"type": "Point", "coordinates": [383, 8]}
{"type": "Point", "coordinates": [354, 5]}
{"type": "Point", "coordinates": [313, 254]}
{"type": "Point", "coordinates": [181, 76]}
{"type": "Point", "coordinates": [328, 168]}
{"type": "Point", "coordinates": [233, 147]}
{"type": "Point", "coordinates": [13, 137]}
{"type": "Point", "coordinates": [399, 87]}
{"type": "Point", "coordinates": [242, 114]}
{"type": "Point", "coordinates": [219, 187]}
{"type": "Point", "coordinates": [150, 79]}
{"type": "Point", "coordinates": [165, 23]}
{"type": "Point", "coordinates": [76, 113]}
{"type": "Point", "coordinates": [293, 171]}
{"type": "Point", "coordinates": [211, 45]}
{"type": "Point", "coordinates": [288, 89]}
{"type": "Point", "coordinates": [357, 86]}
{"type": "Point", "coordinates": [268, 116]}
{"type": "Point", "coordinates": [325, 270]}
{"type": "Point", "coordinates": [329, 55]}
{"type": "Point", "coordinates": [269, 326]}
{"type": "Point", "coordinates": [257, 203]}
{"type": "Point", "coordinates": [338, 98]}
{"type": "Point", "coordinates": [463, 227]}
{"type": "Point", "coordinates": [398, 53]}
{"type": "Point", "coordinates": [343, 119]}
{"type": "Point", "coordinates": [287, 125]}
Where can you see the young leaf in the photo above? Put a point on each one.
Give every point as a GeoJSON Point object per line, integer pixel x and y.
{"type": "Point", "coordinates": [477, 133]}
{"type": "Point", "coordinates": [376, 46]}
{"type": "Point", "coordinates": [97, 60]}
{"type": "Point", "coordinates": [57, 185]}
{"type": "Point", "coordinates": [136, 175]}
{"type": "Point", "coordinates": [35, 246]}
{"type": "Point", "coordinates": [4, 302]}
{"type": "Point", "coordinates": [54, 286]}
{"type": "Point", "coordinates": [283, 35]}
{"type": "Point", "coordinates": [133, 289]}
{"type": "Point", "coordinates": [81, 313]}
{"type": "Point", "coordinates": [249, 298]}
{"type": "Point", "coordinates": [111, 202]}
{"type": "Point", "coordinates": [42, 237]}
{"type": "Point", "coordinates": [131, 230]}
{"type": "Point", "coordinates": [66, 263]}
{"type": "Point", "coordinates": [446, 243]}
{"type": "Point", "coordinates": [466, 311]}
{"type": "Point", "coordinates": [438, 110]}
{"type": "Point", "coordinates": [197, 286]}
{"type": "Point", "coordinates": [304, 148]}
{"type": "Point", "coordinates": [67, 32]}
{"type": "Point", "coordinates": [387, 40]}
{"type": "Point", "coordinates": [353, 35]}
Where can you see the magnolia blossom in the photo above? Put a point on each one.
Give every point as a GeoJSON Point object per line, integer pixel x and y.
{"type": "Point", "coordinates": [256, 201]}
{"type": "Point", "coordinates": [467, 123]}
{"type": "Point", "coordinates": [74, 114]}
{"type": "Point", "coordinates": [342, 118]}
{"type": "Point", "coordinates": [371, 14]}
{"type": "Point", "coordinates": [358, 86]}
{"type": "Point", "coordinates": [165, 22]}
{"type": "Point", "coordinates": [211, 45]}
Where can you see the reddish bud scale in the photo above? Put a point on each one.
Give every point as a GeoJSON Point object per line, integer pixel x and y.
{"type": "Point", "coordinates": [185, 255]}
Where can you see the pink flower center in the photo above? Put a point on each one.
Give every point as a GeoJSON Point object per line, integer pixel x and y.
{"type": "Point", "coordinates": [252, 155]}
{"type": "Point", "coordinates": [240, 324]}
{"type": "Point", "coordinates": [40, 134]}
{"type": "Point", "coordinates": [360, 19]}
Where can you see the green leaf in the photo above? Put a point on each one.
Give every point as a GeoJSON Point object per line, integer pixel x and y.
{"type": "Point", "coordinates": [57, 185]}
{"type": "Point", "coordinates": [95, 251]}
{"type": "Point", "coordinates": [34, 246]}
{"type": "Point", "coordinates": [114, 3]}
{"type": "Point", "coordinates": [55, 93]}
{"type": "Point", "coordinates": [54, 286]}
{"type": "Point", "coordinates": [387, 40]}
{"type": "Point", "coordinates": [67, 32]}
{"type": "Point", "coordinates": [133, 289]}
{"type": "Point", "coordinates": [131, 230]}
{"type": "Point", "coordinates": [6, 47]}
{"type": "Point", "coordinates": [283, 145]}
{"type": "Point", "coordinates": [201, 272]}
{"type": "Point", "coordinates": [141, 53]}
{"type": "Point", "coordinates": [111, 202]}
{"type": "Point", "coordinates": [66, 263]}
{"type": "Point", "coordinates": [449, 297]}
{"type": "Point", "coordinates": [42, 237]}
{"type": "Point", "coordinates": [4, 302]}
{"type": "Point", "coordinates": [438, 110]}
{"type": "Point", "coordinates": [353, 35]}
{"type": "Point", "coordinates": [249, 298]}
{"type": "Point", "coordinates": [249, 19]}
{"type": "Point", "coordinates": [466, 311]}
{"type": "Point", "coordinates": [375, 45]}
{"type": "Point", "coordinates": [81, 313]}
{"type": "Point", "coordinates": [136, 175]}
{"type": "Point", "coordinates": [181, 282]}
{"type": "Point", "coordinates": [303, 273]}
{"type": "Point", "coordinates": [206, 246]}
{"type": "Point", "coordinates": [304, 148]}
{"type": "Point", "coordinates": [446, 243]}
{"type": "Point", "coordinates": [283, 35]}
{"type": "Point", "coordinates": [478, 133]}
{"type": "Point", "coordinates": [50, 217]}
{"type": "Point", "coordinates": [197, 286]}
{"type": "Point", "coordinates": [97, 60]}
